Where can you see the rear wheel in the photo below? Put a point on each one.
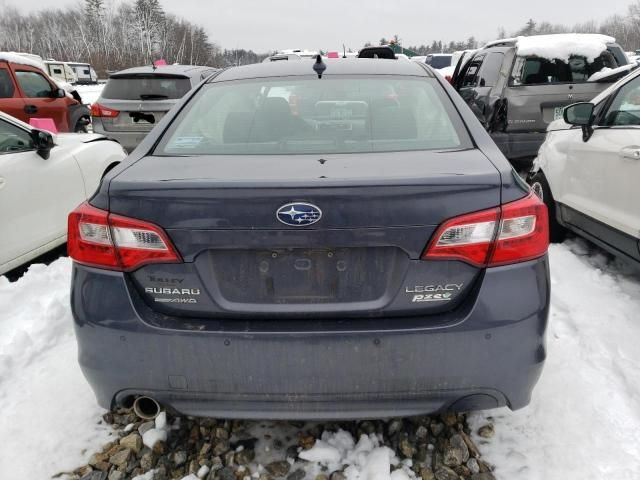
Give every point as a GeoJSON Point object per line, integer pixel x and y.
{"type": "Point", "coordinates": [540, 187]}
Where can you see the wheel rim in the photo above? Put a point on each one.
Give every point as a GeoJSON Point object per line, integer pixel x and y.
{"type": "Point", "coordinates": [537, 189]}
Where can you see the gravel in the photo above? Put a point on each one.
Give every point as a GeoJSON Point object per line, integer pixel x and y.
{"type": "Point", "coordinates": [437, 447]}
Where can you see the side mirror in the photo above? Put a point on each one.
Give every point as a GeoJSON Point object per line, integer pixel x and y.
{"type": "Point", "coordinates": [43, 141]}
{"type": "Point", "coordinates": [59, 93]}
{"type": "Point", "coordinates": [581, 114]}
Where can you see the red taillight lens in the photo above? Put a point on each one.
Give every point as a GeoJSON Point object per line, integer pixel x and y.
{"type": "Point", "coordinates": [98, 110]}
{"type": "Point", "coordinates": [524, 232]}
{"type": "Point", "coordinates": [100, 239]}
{"type": "Point", "coordinates": [516, 232]}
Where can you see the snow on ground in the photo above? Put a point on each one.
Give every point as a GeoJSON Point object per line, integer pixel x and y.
{"type": "Point", "coordinates": [49, 416]}
{"type": "Point", "coordinates": [583, 422]}
{"type": "Point", "coordinates": [584, 418]}
{"type": "Point", "coordinates": [90, 93]}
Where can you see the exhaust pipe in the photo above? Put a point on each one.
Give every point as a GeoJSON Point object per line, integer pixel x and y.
{"type": "Point", "coordinates": [146, 407]}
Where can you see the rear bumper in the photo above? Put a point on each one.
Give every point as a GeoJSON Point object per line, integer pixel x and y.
{"type": "Point", "coordinates": [491, 354]}
{"type": "Point", "coordinates": [128, 140]}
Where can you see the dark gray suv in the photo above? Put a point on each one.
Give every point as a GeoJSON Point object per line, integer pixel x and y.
{"type": "Point", "coordinates": [517, 86]}
{"type": "Point", "coordinates": [286, 244]}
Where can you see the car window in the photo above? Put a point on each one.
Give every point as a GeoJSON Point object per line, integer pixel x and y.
{"type": "Point", "coordinates": [538, 70]}
{"type": "Point", "coordinates": [34, 84]}
{"type": "Point", "coordinates": [13, 139]}
{"type": "Point", "coordinates": [470, 78]}
{"type": "Point", "coordinates": [6, 84]}
{"type": "Point", "coordinates": [146, 86]}
{"type": "Point", "coordinates": [625, 108]}
{"type": "Point", "coordinates": [439, 61]}
{"type": "Point", "coordinates": [490, 71]}
{"type": "Point", "coordinates": [298, 115]}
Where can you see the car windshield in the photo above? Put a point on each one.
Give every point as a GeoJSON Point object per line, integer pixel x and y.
{"type": "Point", "coordinates": [538, 70]}
{"type": "Point", "coordinates": [146, 87]}
{"type": "Point", "coordinates": [439, 61]}
{"type": "Point", "coordinates": [300, 115]}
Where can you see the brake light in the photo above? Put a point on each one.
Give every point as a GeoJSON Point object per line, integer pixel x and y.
{"type": "Point", "coordinates": [515, 232]}
{"type": "Point", "coordinates": [98, 238]}
{"type": "Point", "coordinates": [98, 110]}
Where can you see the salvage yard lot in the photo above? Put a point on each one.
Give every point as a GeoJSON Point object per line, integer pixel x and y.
{"type": "Point", "coordinates": [583, 422]}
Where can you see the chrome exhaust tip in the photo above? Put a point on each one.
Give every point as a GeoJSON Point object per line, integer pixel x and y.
{"type": "Point", "coordinates": [146, 407]}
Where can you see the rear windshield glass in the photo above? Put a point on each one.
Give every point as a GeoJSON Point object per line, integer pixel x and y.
{"type": "Point", "coordinates": [149, 87]}
{"type": "Point", "coordinates": [301, 115]}
{"type": "Point", "coordinates": [441, 61]}
{"type": "Point", "coordinates": [537, 70]}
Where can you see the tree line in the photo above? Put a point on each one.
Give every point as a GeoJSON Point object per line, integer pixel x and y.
{"type": "Point", "coordinates": [115, 35]}
{"type": "Point", "coordinates": [625, 28]}
{"type": "Point", "coordinates": [112, 36]}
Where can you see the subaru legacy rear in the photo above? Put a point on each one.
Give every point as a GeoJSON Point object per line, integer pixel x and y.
{"type": "Point", "coordinates": [301, 240]}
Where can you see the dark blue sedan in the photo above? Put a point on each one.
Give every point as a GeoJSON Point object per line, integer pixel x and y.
{"type": "Point", "coordinates": [286, 244]}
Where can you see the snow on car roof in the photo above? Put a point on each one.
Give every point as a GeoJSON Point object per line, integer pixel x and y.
{"type": "Point", "coordinates": [14, 57]}
{"type": "Point", "coordinates": [564, 45]}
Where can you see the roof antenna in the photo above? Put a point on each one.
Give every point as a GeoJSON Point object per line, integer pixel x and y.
{"type": "Point", "coordinates": [319, 67]}
{"type": "Point", "coordinates": [344, 51]}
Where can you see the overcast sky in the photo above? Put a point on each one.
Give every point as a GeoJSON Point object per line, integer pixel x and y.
{"type": "Point", "coordinates": [264, 25]}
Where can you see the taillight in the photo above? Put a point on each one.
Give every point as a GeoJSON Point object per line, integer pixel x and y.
{"type": "Point", "coordinates": [515, 232]}
{"type": "Point", "coordinates": [98, 110]}
{"type": "Point", "coordinates": [98, 238]}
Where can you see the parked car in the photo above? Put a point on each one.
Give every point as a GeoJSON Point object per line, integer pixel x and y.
{"type": "Point", "coordinates": [42, 178]}
{"type": "Point", "coordinates": [26, 92]}
{"type": "Point", "coordinates": [85, 74]}
{"type": "Point", "coordinates": [516, 87]}
{"type": "Point", "coordinates": [439, 60]}
{"type": "Point", "coordinates": [588, 168]}
{"type": "Point", "coordinates": [136, 99]}
{"type": "Point", "coordinates": [363, 251]}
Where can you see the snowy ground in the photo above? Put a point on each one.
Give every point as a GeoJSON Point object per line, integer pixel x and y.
{"type": "Point", "coordinates": [90, 93]}
{"type": "Point", "coordinates": [583, 423]}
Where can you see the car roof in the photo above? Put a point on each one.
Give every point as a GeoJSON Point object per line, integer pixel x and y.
{"type": "Point", "coordinates": [343, 66]}
{"type": "Point", "coordinates": [185, 70]}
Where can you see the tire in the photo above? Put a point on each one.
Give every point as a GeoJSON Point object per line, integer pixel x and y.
{"type": "Point", "coordinates": [540, 186]}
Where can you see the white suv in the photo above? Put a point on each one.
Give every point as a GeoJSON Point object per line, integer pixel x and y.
{"type": "Point", "coordinates": [588, 170]}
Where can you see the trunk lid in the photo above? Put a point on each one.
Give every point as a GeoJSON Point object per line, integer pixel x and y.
{"type": "Point", "coordinates": [361, 259]}
{"type": "Point", "coordinates": [534, 107]}
{"type": "Point", "coordinates": [134, 115]}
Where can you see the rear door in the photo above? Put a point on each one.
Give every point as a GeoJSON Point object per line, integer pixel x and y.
{"type": "Point", "coordinates": [11, 101]}
{"type": "Point", "coordinates": [39, 95]}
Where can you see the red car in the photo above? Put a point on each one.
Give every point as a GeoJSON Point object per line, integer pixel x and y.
{"type": "Point", "coordinates": [27, 92]}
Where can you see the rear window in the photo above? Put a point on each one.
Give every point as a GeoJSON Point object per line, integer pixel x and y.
{"type": "Point", "coordinates": [441, 61]}
{"type": "Point", "coordinates": [301, 115]}
{"type": "Point", "coordinates": [537, 70]}
{"type": "Point", "coordinates": [146, 87]}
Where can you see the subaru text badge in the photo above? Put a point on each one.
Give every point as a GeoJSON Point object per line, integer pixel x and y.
{"type": "Point", "coordinates": [299, 214]}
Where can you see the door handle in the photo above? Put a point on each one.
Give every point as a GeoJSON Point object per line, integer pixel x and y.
{"type": "Point", "coordinates": [30, 109]}
{"type": "Point", "coordinates": [632, 153]}
{"type": "Point", "coordinates": [3, 182]}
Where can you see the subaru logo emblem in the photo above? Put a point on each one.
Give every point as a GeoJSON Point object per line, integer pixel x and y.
{"type": "Point", "coordinates": [299, 214]}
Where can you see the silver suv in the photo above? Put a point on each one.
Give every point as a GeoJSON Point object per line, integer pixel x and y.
{"type": "Point", "coordinates": [134, 100]}
{"type": "Point", "coordinates": [517, 86]}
